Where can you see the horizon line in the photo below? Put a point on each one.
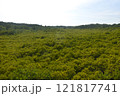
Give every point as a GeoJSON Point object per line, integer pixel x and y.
{"type": "Point", "coordinates": [60, 25]}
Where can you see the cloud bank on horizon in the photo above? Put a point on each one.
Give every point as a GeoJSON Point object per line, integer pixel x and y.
{"type": "Point", "coordinates": [60, 12]}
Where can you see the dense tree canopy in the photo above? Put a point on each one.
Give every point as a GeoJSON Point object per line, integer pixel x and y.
{"type": "Point", "coordinates": [86, 52]}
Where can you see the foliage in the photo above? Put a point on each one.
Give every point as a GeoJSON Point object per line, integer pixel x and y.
{"type": "Point", "coordinates": [30, 52]}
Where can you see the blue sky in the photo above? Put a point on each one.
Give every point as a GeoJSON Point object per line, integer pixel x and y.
{"type": "Point", "coordinates": [60, 12]}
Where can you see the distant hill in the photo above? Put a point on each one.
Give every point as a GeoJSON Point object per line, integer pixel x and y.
{"type": "Point", "coordinates": [9, 25]}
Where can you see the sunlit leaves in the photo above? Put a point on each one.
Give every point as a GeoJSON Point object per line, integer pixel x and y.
{"type": "Point", "coordinates": [36, 52]}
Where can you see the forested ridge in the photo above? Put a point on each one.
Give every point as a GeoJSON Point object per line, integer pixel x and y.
{"type": "Point", "coordinates": [87, 52]}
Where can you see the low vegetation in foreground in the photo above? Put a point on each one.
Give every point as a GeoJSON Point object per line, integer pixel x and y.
{"type": "Point", "coordinates": [89, 52]}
